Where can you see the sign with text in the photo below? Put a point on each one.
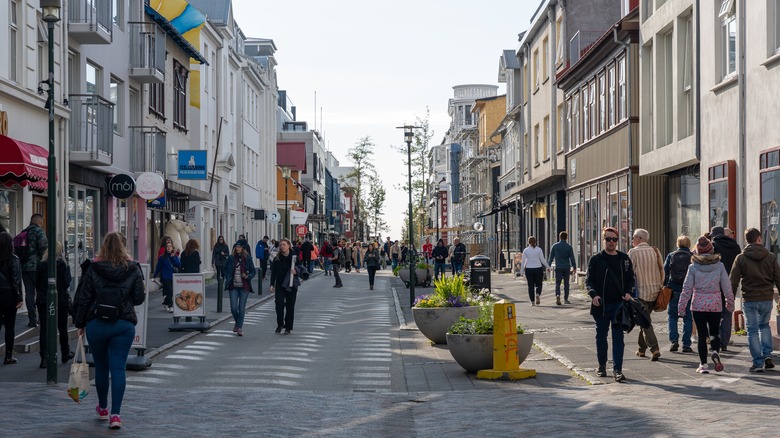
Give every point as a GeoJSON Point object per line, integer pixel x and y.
{"type": "Point", "coordinates": [192, 164]}
{"type": "Point", "coordinates": [444, 214]}
{"type": "Point", "coordinates": [189, 295]}
{"type": "Point", "coordinates": [301, 230]}
{"type": "Point", "coordinates": [139, 341]}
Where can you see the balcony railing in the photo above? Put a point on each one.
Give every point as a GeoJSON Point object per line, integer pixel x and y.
{"type": "Point", "coordinates": [147, 52]}
{"type": "Point", "coordinates": [91, 130]}
{"type": "Point", "coordinates": [91, 21]}
{"type": "Point", "coordinates": [147, 149]}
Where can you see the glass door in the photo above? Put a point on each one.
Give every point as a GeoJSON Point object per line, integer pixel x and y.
{"type": "Point", "coordinates": [82, 223]}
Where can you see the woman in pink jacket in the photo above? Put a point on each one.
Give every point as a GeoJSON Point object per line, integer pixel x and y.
{"type": "Point", "coordinates": [706, 285]}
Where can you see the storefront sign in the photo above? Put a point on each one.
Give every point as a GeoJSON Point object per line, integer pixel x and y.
{"type": "Point", "coordinates": [150, 185]}
{"type": "Point", "coordinates": [3, 123]}
{"type": "Point", "coordinates": [121, 186]}
{"type": "Point", "coordinates": [189, 295]}
{"type": "Point", "coordinates": [444, 213]}
{"type": "Point", "coordinates": [192, 164]}
{"type": "Point", "coordinates": [301, 230]}
{"type": "Point", "coordinates": [156, 203]}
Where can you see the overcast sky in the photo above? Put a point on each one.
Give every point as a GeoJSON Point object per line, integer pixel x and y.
{"type": "Point", "coordinates": [376, 65]}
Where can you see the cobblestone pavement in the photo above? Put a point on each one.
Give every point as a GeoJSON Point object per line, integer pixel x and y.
{"type": "Point", "coordinates": [665, 398]}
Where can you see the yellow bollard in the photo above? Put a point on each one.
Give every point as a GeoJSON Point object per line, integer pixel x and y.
{"type": "Point", "coordinates": [506, 361]}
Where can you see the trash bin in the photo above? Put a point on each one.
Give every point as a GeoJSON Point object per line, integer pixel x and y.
{"type": "Point", "coordinates": [479, 272]}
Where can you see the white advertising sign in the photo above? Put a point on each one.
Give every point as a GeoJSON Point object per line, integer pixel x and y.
{"type": "Point", "coordinates": [189, 295]}
{"type": "Point", "coordinates": [149, 185]}
{"type": "Point", "coordinates": [141, 312]}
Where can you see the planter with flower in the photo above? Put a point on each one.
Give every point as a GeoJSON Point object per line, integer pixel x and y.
{"type": "Point", "coordinates": [470, 341]}
{"type": "Point", "coordinates": [422, 273]}
{"type": "Point", "coordinates": [450, 300]}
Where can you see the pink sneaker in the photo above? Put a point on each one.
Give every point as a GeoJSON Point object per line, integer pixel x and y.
{"type": "Point", "coordinates": [101, 412]}
{"type": "Point", "coordinates": [115, 422]}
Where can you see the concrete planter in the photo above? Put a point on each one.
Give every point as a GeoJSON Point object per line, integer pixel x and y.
{"type": "Point", "coordinates": [435, 321]}
{"type": "Point", "coordinates": [475, 352]}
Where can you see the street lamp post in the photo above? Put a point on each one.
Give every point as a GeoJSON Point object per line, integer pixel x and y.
{"type": "Point", "coordinates": [51, 15]}
{"type": "Point", "coordinates": [408, 137]}
{"type": "Point", "coordinates": [438, 215]}
{"type": "Point", "coordinates": [286, 176]}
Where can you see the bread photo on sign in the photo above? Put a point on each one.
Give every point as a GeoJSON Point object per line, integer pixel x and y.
{"type": "Point", "coordinates": [189, 300]}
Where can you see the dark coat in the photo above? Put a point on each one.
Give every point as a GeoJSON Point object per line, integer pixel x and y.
{"type": "Point", "coordinates": [220, 254]}
{"type": "Point", "coordinates": [728, 249]}
{"type": "Point", "coordinates": [247, 267]}
{"type": "Point", "coordinates": [371, 258]}
{"type": "Point", "coordinates": [101, 274]}
{"type": "Point", "coordinates": [37, 243]}
{"type": "Point", "coordinates": [306, 250]}
{"type": "Point", "coordinates": [165, 265]}
{"type": "Point", "coordinates": [440, 254]}
{"type": "Point", "coordinates": [11, 278]}
{"type": "Point", "coordinates": [190, 264]}
{"type": "Point", "coordinates": [63, 283]}
{"type": "Point", "coordinates": [280, 268]}
{"type": "Point", "coordinates": [604, 282]}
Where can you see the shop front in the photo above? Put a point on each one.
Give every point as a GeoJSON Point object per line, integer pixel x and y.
{"type": "Point", "coordinates": [85, 220]}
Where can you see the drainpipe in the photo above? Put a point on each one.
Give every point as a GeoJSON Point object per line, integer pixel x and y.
{"type": "Point", "coordinates": [630, 181]}
{"type": "Point", "coordinates": [697, 81]}
{"type": "Point", "coordinates": [553, 93]}
{"type": "Point", "coordinates": [742, 212]}
{"type": "Point", "coordinates": [528, 166]}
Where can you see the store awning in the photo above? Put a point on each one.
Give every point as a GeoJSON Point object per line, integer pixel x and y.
{"type": "Point", "coordinates": [23, 164]}
{"type": "Point", "coordinates": [178, 190]}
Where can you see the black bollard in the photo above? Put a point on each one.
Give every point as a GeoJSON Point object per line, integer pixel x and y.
{"type": "Point", "coordinates": [220, 291]}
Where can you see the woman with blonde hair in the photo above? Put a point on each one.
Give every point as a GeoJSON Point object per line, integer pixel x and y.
{"type": "Point", "coordinates": [190, 257]}
{"type": "Point", "coordinates": [239, 272]}
{"type": "Point", "coordinates": [113, 285]}
{"type": "Point", "coordinates": [63, 303]}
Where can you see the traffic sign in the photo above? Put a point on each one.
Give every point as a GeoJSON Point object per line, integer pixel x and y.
{"type": "Point", "coordinates": [301, 230]}
{"type": "Point", "coordinates": [274, 217]}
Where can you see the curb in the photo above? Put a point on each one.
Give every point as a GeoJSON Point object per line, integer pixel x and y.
{"type": "Point", "coordinates": [579, 372]}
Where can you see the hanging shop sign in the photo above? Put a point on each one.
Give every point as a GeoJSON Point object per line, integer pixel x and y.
{"type": "Point", "coordinates": [150, 185]}
{"type": "Point", "coordinates": [121, 186]}
{"type": "Point", "coordinates": [192, 165]}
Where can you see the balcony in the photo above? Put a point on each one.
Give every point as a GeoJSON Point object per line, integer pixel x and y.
{"type": "Point", "coordinates": [147, 145]}
{"type": "Point", "coordinates": [91, 130]}
{"type": "Point", "coordinates": [147, 52]}
{"type": "Point", "coordinates": [90, 21]}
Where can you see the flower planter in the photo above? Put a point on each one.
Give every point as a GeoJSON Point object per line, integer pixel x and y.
{"type": "Point", "coordinates": [475, 352]}
{"type": "Point", "coordinates": [421, 276]}
{"type": "Point", "coordinates": [434, 322]}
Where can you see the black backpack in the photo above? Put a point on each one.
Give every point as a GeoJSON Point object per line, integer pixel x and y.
{"type": "Point", "coordinates": [109, 303]}
{"type": "Point", "coordinates": [678, 266]}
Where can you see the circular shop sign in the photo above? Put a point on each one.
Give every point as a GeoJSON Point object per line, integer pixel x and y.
{"type": "Point", "coordinates": [274, 217]}
{"type": "Point", "coordinates": [301, 230]}
{"type": "Point", "coordinates": [121, 186]}
{"type": "Point", "coordinates": [150, 185]}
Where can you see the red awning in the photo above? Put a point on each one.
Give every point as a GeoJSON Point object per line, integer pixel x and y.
{"type": "Point", "coordinates": [23, 163]}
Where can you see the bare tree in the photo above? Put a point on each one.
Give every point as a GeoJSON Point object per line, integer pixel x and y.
{"type": "Point", "coordinates": [363, 168]}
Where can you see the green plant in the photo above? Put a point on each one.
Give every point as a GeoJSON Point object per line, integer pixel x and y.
{"type": "Point", "coordinates": [482, 325]}
{"type": "Point", "coordinates": [399, 267]}
{"type": "Point", "coordinates": [422, 265]}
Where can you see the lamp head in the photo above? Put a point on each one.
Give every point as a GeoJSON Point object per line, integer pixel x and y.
{"type": "Point", "coordinates": [286, 172]}
{"type": "Point", "coordinates": [408, 133]}
{"type": "Point", "coordinates": [51, 10]}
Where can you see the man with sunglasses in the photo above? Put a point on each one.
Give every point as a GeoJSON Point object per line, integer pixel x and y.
{"type": "Point", "coordinates": [610, 281]}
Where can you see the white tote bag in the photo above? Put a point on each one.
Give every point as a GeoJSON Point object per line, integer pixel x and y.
{"type": "Point", "coordinates": [78, 383]}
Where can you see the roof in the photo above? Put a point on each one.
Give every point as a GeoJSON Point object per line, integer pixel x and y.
{"type": "Point", "coordinates": [175, 31]}
{"type": "Point", "coordinates": [510, 60]}
{"type": "Point", "coordinates": [291, 154]}
{"type": "Point", "coordinates": [216, 11]}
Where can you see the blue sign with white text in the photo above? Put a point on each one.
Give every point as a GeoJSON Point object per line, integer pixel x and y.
{"type": "Point", "coordinates": [192, 165]}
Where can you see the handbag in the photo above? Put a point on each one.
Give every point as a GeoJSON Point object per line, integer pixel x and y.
{"type": "Point", "coordinates": [78, 382]}
{"type": "Point", "coordinates": [664, 296]}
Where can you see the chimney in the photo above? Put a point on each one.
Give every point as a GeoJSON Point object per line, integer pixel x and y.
{"type": "Point", "coordinates": [292, 111]}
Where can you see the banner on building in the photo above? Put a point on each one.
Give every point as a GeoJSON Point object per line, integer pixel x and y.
{"type": "Point", "coordinates": [192, 164]}
{"type": "Point", "coordinates": [298, 217]}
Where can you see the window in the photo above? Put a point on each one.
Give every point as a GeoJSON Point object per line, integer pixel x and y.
{"type": "Point", "coordinates": [180, 75]}
{"type": "Point", "coordinates": [536, 143]}
{"type": "Point", "coordinates": [205, 68]}
{"type": "Point", "coordinates": [686, 115]}
{"type": "Point", "coordinates": [43, 51]}
{"type": "Point", "coordinates": [116, 14]}
{"type": "Point", "coordinates": [770, 197]}
{"type": "Point", "coordinates": [13, 42]}
{"type": "Point", "coordinates": [546, 139]}
{"type": "Point", "coordinates": [722, 182]}
{"type": "Point", "coordinates": [525, 78]}
{"type": "Point", "coordinates": [232, 98]}
{"type": "Point", "coordinates": [602, 103]}
{"type": "Point", "coordinates": [157, 100]}
{"type": "Point", "coordinates": [545, 57]}
{"type": "Point", "coordinates": [559, 128]}
{"type": "Point", "coordinates": [622, 88]}
{"type": "Point", "coordinates": [776, 26]}
{"type": "Point", "coordinates": [536, 69]}
{"type": "Point", "coordinates": [559, 41]}
{"type": "Point", "coordinates": [592, 110]}
{"type": "Point", "coordinates": [93, 79]}
{"type": "Point", "coordinates": [575, 121]}
{"type": "Point", "coordinates": [467, 114]}
{"type": "Point", "coordinates": [611, 95]}
{"type": "Point", "coordinates": [585, 118]}
{"type": "Point", "coordinates": [728, 37]}
{"type": "Point", "coordinates": [115, 95]}
{"type": "Point", "coordinates": [668, 93]}
{"type": "Point", "coordinates": [526, 151]}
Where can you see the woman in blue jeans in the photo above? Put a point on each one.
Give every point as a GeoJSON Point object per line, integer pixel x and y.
{"type": "Point", "coordinates": [105, 299]}
{"type": "Point", "coordinates": [239, 272]}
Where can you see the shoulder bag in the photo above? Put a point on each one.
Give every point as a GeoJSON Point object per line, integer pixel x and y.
{"type": "Point", "coordinates": [665, 293]}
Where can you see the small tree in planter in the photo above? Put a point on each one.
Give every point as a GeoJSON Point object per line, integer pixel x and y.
{"type": "Point", "coordinates": [451, 299]}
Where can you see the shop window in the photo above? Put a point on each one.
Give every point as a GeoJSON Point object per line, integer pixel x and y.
{"type": "Point", "coordinates": [770, 196]}
{"type": "Point", "coordinates": [722, 194]}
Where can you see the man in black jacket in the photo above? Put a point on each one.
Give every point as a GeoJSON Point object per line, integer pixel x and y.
{"type": "Point", "coordinates": [729, 249]}
{"type": "Point", "coordinates": [306, 249]}
{"type": "Point", "coordinates": [610, 281]}
{"type": "Point", "coordinates": [440, 254]}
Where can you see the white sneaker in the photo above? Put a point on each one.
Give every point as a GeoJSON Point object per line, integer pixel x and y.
{"type": "Point", "coordinates": [170, 309]}
{"type": "Point", "coordinates": [703, 369]}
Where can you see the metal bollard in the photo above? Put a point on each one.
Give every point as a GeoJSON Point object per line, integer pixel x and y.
{"type": "Point", "coordinates": [220, 291]}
